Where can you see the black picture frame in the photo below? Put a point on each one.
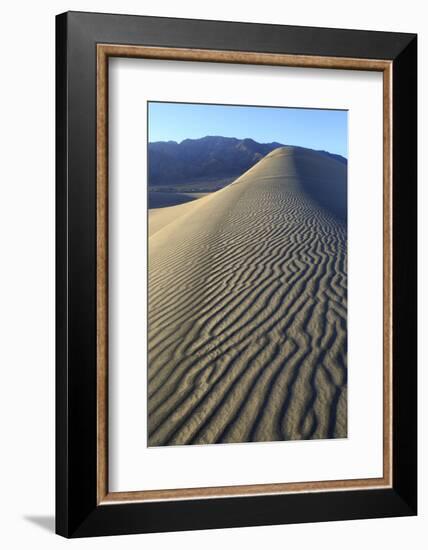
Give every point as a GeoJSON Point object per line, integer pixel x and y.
{"type": "Point", "coordinates": [77, 511]}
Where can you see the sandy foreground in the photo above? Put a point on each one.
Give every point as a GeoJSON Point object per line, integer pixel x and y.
{"type": "Point", "coordinates": [247, 308]}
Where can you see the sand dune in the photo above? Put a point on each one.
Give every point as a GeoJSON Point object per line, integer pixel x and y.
{"type": "Point", "coordinates": [247, 308]}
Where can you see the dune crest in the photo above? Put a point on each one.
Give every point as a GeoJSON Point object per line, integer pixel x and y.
{"type": "Point", "coordinates": [247, 308]}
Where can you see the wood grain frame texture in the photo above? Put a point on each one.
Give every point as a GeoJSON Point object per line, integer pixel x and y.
{"type": "Point", "coordinates": [104, 52]}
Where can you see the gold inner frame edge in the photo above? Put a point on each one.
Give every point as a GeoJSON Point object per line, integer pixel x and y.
{"type": "Point", "coordinates": [104, 51]}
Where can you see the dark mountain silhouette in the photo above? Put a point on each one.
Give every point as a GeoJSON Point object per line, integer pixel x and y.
{"type": "Point", "coordinates": [210, 157]}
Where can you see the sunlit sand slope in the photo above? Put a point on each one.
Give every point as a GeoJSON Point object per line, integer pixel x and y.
{"type": "Point", "coordinates": [247, 308]}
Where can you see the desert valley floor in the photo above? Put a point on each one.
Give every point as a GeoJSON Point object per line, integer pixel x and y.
{"type": "Point", "coordinates": [248, 307]}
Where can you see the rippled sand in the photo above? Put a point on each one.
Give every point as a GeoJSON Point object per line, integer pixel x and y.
{"type": "Point", "coordinates": [247, 308]}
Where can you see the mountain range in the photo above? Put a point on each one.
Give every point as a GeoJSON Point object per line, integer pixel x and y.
{"type": "Point", "coordinates": [210, 157]}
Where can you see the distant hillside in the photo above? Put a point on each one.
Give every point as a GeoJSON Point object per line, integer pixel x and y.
{"type": "Point", "coordinates": [172, 163]}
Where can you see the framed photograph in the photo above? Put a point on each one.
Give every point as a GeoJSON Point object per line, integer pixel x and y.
{"type": "Point", "coordinates": [236, 274]}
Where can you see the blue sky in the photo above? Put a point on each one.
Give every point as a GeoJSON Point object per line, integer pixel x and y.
{"type": "Point", "coordinates": [313, 128]}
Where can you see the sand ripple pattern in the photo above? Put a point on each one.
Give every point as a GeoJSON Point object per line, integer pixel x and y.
{"type": "Point", "coordinates": [248, 308]}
